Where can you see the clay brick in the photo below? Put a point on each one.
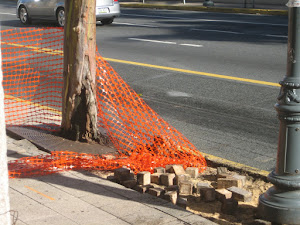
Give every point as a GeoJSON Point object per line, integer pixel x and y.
{"type": "Point", "coordinates": [168, 167]}
{"type": "Point", "coordinates": [222, 172]}
{"type": "Point", "coordinates": [241, 178]}
{"type": "Point", "coordinates": [240, 194]}
{"type": "Point", "coordinates": [192, 171]}
{"type": "Point", "coordinates": [201, 185]}
{"type": "Point", "coordinates": [156, 192]}
{"type": "Point", "coordinates": [159, 170]}
{"type": "Point", "coordinates": [229, 206]}
{"type": "Point", "coordinates": [223, 194]}
{"type": "Point", "coordinates": [172, 188]}
{"type": "Point", "coordinates": [129, 183]}
{"type": "Point", "coordinates": [167, 179]}
{"type": "Point", "coordinates": [182, 202]}
{"type": "Point", "coordinates": [155, 178]}
{"type": "Point", "coordinates": [171, 196]}
{"type": "Point", "coordinates": [122, 174]}
{"type": "Point", "coordinates": [186, 188]}
{"type": "Point", "coordinates": [228, 182]}
{"type": "Point", "coordinates": [182, 178]}
{"type": "Point", "coordinates": [112, 178]}
{"type": "Point", "coordinates": [143, 188]}
{"type": "Point", "coordinates": [208, 194]}
{"type": "Point", "coordinates": [144, 178]}
{"type": "Point", "coordinates": [177, 169]}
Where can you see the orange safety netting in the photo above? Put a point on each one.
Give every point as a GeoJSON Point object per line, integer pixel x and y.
{"type": "Point", "coordinates": [32, 63]}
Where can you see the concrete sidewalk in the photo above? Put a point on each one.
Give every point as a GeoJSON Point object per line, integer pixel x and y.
{"type": "Point", "coordinates": [79, 197]}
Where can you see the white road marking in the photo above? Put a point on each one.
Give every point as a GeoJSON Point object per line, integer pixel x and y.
{"type": "Point", "coordinates": [192, 45]}
{"type": "Point", "coordinates": [155, 41]}
{"type": "Point", "coordinates": [205, 20]}
{"type": "Point", "coordinates": [220, 31]}
{"type": "Point", "coordinates": [134, 24]}
{"type": "Point", "coordinates": [272, 35]}
{"type": "Point", "coordinates": [165, 42]}
{"type": "Point", "coordinates": [12, 14]}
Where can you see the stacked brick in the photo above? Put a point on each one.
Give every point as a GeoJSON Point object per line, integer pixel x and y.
{"type": "Point", "coordinates": [177, 185]}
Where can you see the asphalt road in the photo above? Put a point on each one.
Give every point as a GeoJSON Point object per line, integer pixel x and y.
{"type": "Point", "coordinates": [222, 116]}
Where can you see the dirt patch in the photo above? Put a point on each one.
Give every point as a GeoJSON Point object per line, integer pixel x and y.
{"type": "Point", "coordinates": [246, 213]}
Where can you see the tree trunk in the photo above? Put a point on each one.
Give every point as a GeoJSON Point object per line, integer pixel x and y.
{"type": "Point", "coordinates": [79, 118]}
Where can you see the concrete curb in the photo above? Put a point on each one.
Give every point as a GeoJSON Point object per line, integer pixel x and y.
{"type": "Point", "coordinates": [214, 161]}
{"type": "Point", "coordinates": [207, 9]}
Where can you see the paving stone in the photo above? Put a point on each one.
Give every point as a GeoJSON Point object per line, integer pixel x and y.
{"type": "Point", "coordinates": [240, 194]}
{"type": "Point", "coordinates": [229, 206]}
{"type": "Point", "coordinates": [228, 182]}
{"type": "Point", "coordinates": [223, 194]}
{"type": "Point", "coordinates": [143, 188]}
{"type": "Point", "coordinates": [182, 202]}
{"type": "Point", "coordinates": [177, 169]}
{"type": "Point", "coordinates": [112, 178]}
{"type": "Point", "coordinates": [172, 188]}
{"type": "Point", "coordinates": [129, 183]}
{"type": "Point", "coordinates": [242, 179]}
{"type": "Point", "coordinates": [222, 172]}
{"type": "Point", "coordinates": [192, 171]}
{"type": "Point", "coordinates": [182, 178]}
{"type": "Point", "coordinates": [155, 178]}
{"type": "Point", "coordinates": [201, 185]}
{"type": "Point", "coordinates": [158, 192]}
{"type": "Point", "coordinates": [159, 170]}
{"type": "Point", "coordinates": [171, 196]}
{"type": "Point", "coordinates": [144, 178]}
{"type": "Point", "coordinates": [168, 167]}
{"type": "Point", "coordinates": [208, 194]}
{"type": "Point", "coordinates": [167, 179]}
{"type": "Point", "coordinates": [186, 188]}
{"type": "Point", "coordinates": [122, 174]}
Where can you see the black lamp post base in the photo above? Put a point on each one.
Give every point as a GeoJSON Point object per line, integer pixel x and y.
{"type": "Point", "coordinates": [280, 206]}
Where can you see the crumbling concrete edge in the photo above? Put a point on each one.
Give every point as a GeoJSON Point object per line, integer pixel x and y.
{"type": "Point", "coordinates": [214, 161]}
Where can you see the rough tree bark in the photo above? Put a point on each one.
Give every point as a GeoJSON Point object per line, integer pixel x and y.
{"type": "Point", "coordinates": [79, 119]}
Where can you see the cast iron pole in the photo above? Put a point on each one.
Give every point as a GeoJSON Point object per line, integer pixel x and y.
{"type": "Point", "coordinates": [281, 203]}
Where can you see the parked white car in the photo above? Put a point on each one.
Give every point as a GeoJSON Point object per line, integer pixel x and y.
{"type": "Point", "coordinates": [28, 10]}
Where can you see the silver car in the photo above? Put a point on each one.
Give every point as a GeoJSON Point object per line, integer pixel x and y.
{"type": "Point", "coordinates": [27, 10]}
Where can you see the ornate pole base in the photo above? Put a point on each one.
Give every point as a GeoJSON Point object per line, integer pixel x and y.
{"type": "Point", "coordinates": [280, 206]}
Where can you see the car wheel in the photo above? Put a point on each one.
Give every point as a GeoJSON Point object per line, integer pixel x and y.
{"type": "Point", "coordinates": [60, 17]}
{"type": "Point", "coordinates": [23, 15]}
{"type": "Point", "coordinates": [107, 21]}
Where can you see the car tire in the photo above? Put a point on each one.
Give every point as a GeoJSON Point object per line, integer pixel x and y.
{"type": "Point", "coordinates": [60, 17]}
{"type": "Point", "coordinates": [107, 21]}
{"type": "Point", "coordinates": [23, 15]}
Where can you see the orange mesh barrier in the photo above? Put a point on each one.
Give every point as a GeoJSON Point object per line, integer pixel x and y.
{"type": "Point", "coordinates": [32, 62]}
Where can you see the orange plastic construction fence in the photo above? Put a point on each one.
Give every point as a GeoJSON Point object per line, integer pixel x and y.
{"type": "Point", "coordinates": [32, 63]}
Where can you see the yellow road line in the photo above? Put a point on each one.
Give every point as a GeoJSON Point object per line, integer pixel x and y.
{"type": "Point", "coordinates": [32, 103]}
{"type": "Point", "coordinates": [40, 193]}
{"type": "Point", "coordinates": [36, 49]}
{"type": "Point", "coordinates": [195, 72]}
{"type": "Point", "coordinates": [58, 52]}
